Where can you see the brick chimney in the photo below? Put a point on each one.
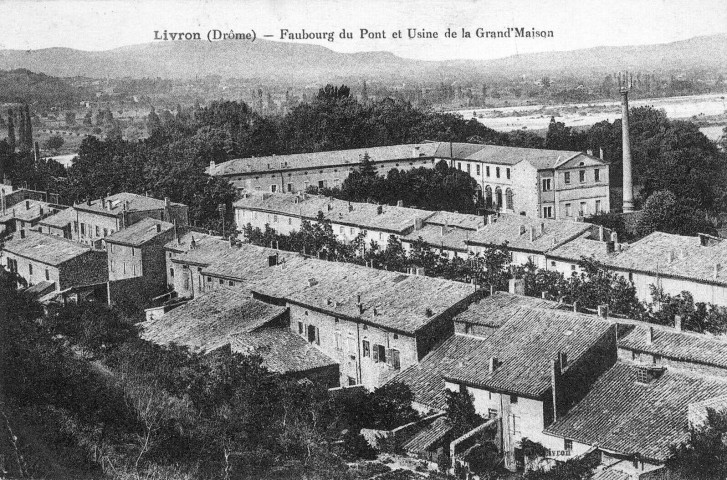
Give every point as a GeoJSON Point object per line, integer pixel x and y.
{"type": "Point", "coordinates": [650, 336]}
{"type": "Point", "coordinates": [494, 363]}
{"type": "Point", "coordinates": [628, 189]}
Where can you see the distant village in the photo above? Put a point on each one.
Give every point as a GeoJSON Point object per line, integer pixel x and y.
{"type": "Point", "coordinates": [578, 382]}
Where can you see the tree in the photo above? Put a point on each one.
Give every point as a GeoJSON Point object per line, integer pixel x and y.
{"type": "Point", "coordinates": [54, 142]}
{"type": "Point", "coordinates": [11, 130]}
{"type": "Point", "coordinates": [704, 454]}
{"type": "Point", "coordinates": [665, 213]}
{"type": "Point", "coordinates": [461, 414]}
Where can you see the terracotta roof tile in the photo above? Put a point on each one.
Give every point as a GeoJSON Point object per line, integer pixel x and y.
{"type": "Point", "coordinates": [428, 436]}
{"type": "Point", "coordinates": [45, 248]}
{"type": "Point", "coordinates": [141, 232]}
{"type": "Point", "coordinates": [620, 414]}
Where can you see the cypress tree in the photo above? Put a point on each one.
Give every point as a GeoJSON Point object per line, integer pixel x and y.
{"type": "Point", "coordinates": [28, 128]}
{"type": "Point", "coordinates": [11, 131]}
{"type": "Point", "coordinates": [22, 142]}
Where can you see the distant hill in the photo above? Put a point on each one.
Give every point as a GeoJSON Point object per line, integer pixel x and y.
{"type": "Point", "coordinates": [316, 64]}
{"type": "Point", "coordinates": [23, 86]}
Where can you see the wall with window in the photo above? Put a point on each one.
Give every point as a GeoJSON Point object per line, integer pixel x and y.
{"type": "Point", "coordinates": [367, 354]}
{"type": "Point", "coordinates": [88, 227]}
{"type": "Point", "coordinates": [294, 181]}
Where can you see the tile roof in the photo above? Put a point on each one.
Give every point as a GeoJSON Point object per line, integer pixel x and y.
{"type": "Point", "coordinates": [685, 346]}
{"type": "Point", "coordinates": [282, 351]}
{"type": "Point", "coordinates": [45, 248]}
{"type": "Point", "coordinates": [229, 316]}
{"type": "Point", "coordinates": [248, 263]}
{"type": "Point", "coordinates": [427, 437]}
{"type": "Point", "coordinates": [581, 247]}
{"type": "Point", "coordinates": [525, 346]}
{"type": "Point", "coordinates": [20, 211]}
{"type": "Point", "coordinates": [392, 300]}
{"type": "Point", "coordinates": [510, 228]}
{"type": "Point", "coordinates": [538, 158]}
{"type": "Point", "coordinates": [364, 215]}
{"type": "Point", "coordinates": [437, 236]}
{"type": "Point", "coordinates": [489, 311]}
{"type": "Point", "coordinates": [351, 157]}
{"type": "Point", "coordinates": [60, 219]}
{"type": "Point", "coordinates": [464, 221]}
{"type": "Point", "coordinates": [426, 379]}
{"type": "Point", "coordinates": [610, 474]}
{"type": "Point", "coordinates": [143, 231]}
{"type": "Point", "coordinates": [209, 319]}
{"type": "Point", "coordinates": [628, 417]}
{"type": "Point", "coordinates": [207, 249]}
{"type": "Point", "coordinates": [183, 243]}
{"type": "Point", "coordinates": [117, 201]}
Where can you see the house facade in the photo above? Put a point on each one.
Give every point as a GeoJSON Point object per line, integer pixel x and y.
{"type": "Point", "coordinates": [42, 258]}
{"type": "Point", "coordinates": [534, 182]}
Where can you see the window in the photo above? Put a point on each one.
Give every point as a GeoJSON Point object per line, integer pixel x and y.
{"type": "Point", "coordinates": [515, 425]}
{"type": "Point", "coordinates": [631, 276]}
{"type": "Point", "coordinates": [582, 176]}
{"type": "Point", "coordinates": [341, 230]}
{"type": "Point", "coordinates": [566, 178]}
{"type": "Point", "coordinates": [497, 172]}
{"type": "Point", "coordinates": [366, 347]}
{"type": "Point", "coordinates": [300, 328]}
{"type": "Point", "coordinates": [552, 263]}
{"type": "Point", "coordinates": [105, 232]}
{"type": "Point", "coordinates": [487, 170]}
{"type": "Point", "coordinates": [394, 359]}
{"type": "Point", "coordinates": [547, 184]}
{"type": "Point", "coordinates": [567, 444]}
{"type": "Point", "coordinates": [573, 268]}
{"type": "Point", "coordinates": [492, 413]}
{"type": "Point", "coordinates": [469, 168]}
{"type": "Point", "coordinates": [339, 343]}
{"type": "Point", "coordinates": [275, 219]}
{"type": "Point", "coordinates": [171, 272]}
{"type": "Point", "coordinates": [351, 381]}
{"type": "Point", "coordinates": [568, 211]}
{"type": "Point", "coordinates": [598, 206]}
{"type": "Point", "coordinates": [313, 334]}
{"type": "Point", "coordinates": [379, 353]}
{"type": "Point", "coordinates": [597, 175]}
{"type": "Point", "coordinates": [290, 187]}
{"type": "Point", "coordinates": [133, 251]}
{"type": "Point", "coordinates": [112, 249]}
{"type": "Point", "coordinates": [209, 279]}
{"type": "Point", "coordinates": [459, 165]}
{"type": "Point", "coordinates": [584, 209]}
{"type": "Point", "coordinates": [477, 169]}
{"type": "Point", "coordinates": [221, 281]}
{"type": "Point", "coordinates": [513, 399]}
{"type": "Point", "coordinates": [83, 229]}
{"type": "Point", "coordinates": [321, 184]}
{"type": "Point", "coordinates": [507, 173]}
{"type": "Point", "coordinates": [47, 274]}
{"type": "Point", "coordinates": [112, 265]}
{"type": "Point", "coordinates": [509, 204]}
{"type": "Point", "coordinates": [75, 226]}
{"type": "Point", "coordinates": [468, 328]}
{"type": "Point", "coordinates": [396, 336]}
{"type": "Point", "coordinates": [547, 212]}
{"type": "Point", "coordinates": [30, 269]}
{"type": "Point", "coordinates": [350, 230]}
{"type": "Point", "coordinates": [98, 231]}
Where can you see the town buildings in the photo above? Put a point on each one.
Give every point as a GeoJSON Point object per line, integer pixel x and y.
{"type": "Point", "coordinates": [576, 383]}
{"type": "Point", "coordinates": [26, 214]}
{"type": "Point", "coordinates": [136, 257]}
{"type": "Point", "coordinates": [534, 182]}
{"type": "Point", "coordinates": [230, 317]}
{"type": "Point", "coordinates": [668, 262]}
{"type": "Point", "coordinates": [97, 219]}
{"type": "Point", "coordinates": [53, 261]}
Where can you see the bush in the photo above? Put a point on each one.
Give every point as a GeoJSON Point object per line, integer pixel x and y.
{"type": "Point", "coordinates": [355, 447]}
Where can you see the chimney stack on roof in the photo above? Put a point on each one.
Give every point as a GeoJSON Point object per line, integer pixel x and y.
{"type": "Point", "coordinates": [159, 227]}
{"type": "Point", "coordinates": [603, 311]}
{"type": "Point", "coordinates": [670, 256]}
{"type": "Point", "coordinates": [717, 268]}
{"type": "Point", "coordinates": [650, 336]}
{"type": "Point", "coordinates": [678, 322]}
{"type": "Point", "coordinates": [600, 155]}
{"type": "Point", "coordinates": [22, 233]}
{"type": "Point", "coordinates": [522, 229]}
{"type": "Point", "coordinates": [379, 209]}
{"type": "Point", "coordinates": [542, 228]}
{"type": "Point", "coordinates": [517, 286]}
{"type": "Point", "coordinates": [212, 167]}
{"type": "Point", "coordinates": [400, 203]}
{"type": "Point", "coordinates": [493, 364]}
{"type": "Point", "coordinates": [589, 152]}
{"type": "Point", "coordinates": [563, 360]}
{"type": "Point", "coordinates": [532, 233]}
{"type": "Point", "coordinates": [27, 204]}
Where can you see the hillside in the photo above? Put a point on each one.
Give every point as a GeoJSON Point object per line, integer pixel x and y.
{"type": "Point", "coordinates": [316, 64]}
{"type": "Point", "coordinates": [23, 86]}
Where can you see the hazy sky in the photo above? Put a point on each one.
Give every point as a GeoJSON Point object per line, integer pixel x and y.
{"type": "Point", "coordinates": [104, 24]}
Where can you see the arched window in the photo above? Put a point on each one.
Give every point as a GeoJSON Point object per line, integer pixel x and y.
{"type": "Point", "coordinates": [488, 197]}
{"type": "Point", "coordinates": [508, 199]}
{"type": "Point", "coordinates": [498, 197]}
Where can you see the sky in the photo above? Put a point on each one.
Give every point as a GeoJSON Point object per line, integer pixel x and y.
{"type": "Point", "coordinates": [105, 24]}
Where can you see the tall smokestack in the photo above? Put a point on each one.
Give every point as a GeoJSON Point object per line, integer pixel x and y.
{"type": "Point", "coordinates": [628, 187]}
